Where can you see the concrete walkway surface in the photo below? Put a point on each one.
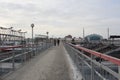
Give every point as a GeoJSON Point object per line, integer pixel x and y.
{"type": "Point", "coordinates": [49, 65]}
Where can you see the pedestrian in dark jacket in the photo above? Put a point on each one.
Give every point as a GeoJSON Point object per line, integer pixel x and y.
{"type": "Point", "coordinates": [73, 41]}
{"type": "Point", "coordinates": [58, 42]}
{"type": "Point", "coordinates": [55, 42]}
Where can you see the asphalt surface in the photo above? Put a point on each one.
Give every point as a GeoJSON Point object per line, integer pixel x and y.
{"type": "Point", "coordinates": [49, 65]}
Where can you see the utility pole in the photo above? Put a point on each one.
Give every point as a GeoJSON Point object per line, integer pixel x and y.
{"type": "Point", "coordinates": [108, 31]}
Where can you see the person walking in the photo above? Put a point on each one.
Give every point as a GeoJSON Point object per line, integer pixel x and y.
{"type": "Point", "coordinates": [73, 41]}
{"type": "Point", "coordinates": [58, 42]}
{"type": "Point", "coordinates": [55, 42]}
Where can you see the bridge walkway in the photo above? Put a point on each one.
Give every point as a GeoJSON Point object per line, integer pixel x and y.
{"type": "Point", "coordinates": [52, 64]}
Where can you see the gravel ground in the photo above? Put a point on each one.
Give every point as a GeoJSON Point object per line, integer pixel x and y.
{"type": "Point", "coordinates": [50, 65]}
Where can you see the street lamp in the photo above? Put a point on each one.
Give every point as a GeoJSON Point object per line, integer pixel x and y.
{"type": "Point", "coordinates": [32, 26]}
{"type": "Point", "coordinates": [47, 34]}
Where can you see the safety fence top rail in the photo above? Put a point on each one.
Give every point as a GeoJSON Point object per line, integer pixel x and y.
{"type": "Point", "coordinates": [3, 48]}
{"type": "Point", "coordinates": [12, 47]}
{"type": "Point", "coordinates": [98, 54]}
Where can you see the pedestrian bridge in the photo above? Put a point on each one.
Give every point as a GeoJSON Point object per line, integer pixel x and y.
{"type": "Point", "coordinates": [63, 62]}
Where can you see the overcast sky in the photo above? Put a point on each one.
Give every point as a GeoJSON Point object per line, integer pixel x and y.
{"type": "Point", "coordinates": [62, 17]}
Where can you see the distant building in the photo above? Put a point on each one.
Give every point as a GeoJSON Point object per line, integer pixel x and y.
{"type": "Point", "coordinates": [40, 38]}
{"type": "Point", "coordinates": [78, 40]}
{"type": "Point", "coordinates": [68, 38]}
{"type": "Point", "coordinates": [114, 36]}
{"type": "Point", "coordinates": [93, 37]}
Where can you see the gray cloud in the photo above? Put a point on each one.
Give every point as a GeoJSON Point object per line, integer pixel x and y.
{"type": "Point", "coordinates": [68, 17]}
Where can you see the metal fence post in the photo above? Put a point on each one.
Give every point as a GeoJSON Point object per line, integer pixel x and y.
{"type": "Point", "coordinates": [25, 55]}
{"type": "Point", "coordinates": [92, 68]}
{"type": "Point", "coordinates": [46, 45]}
{"type": "Point", "coordinates": [119, 71]}
{"type": "Point", "coordinates": [36, 49]}
{"type": "Point", "coordinates": [82, 66]}
{"type": "Point", "coordinates": [22, 56]}
{"type": "Point", "coordinates": [13, 60]}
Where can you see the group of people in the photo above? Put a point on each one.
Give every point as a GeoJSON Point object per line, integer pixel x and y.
{"type": "Point", "coordinates": [56, 42]}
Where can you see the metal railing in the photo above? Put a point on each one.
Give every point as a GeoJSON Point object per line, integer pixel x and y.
{"type": "Point", "coordinates": [10, 61]}
{"type": "Point", "coordinates": [94, 65]}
